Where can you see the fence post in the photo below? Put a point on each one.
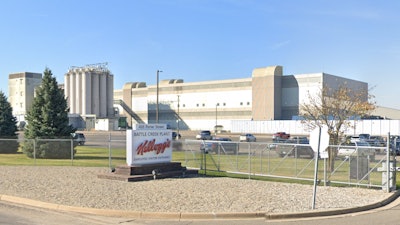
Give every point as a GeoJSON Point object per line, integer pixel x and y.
{"type": "Point", "coordinates": [388, 163]}
{"type": "Point", "coordinates": [325, 173]}
{"type": "Point", "coordinates": [34, 151]}
{"type": "Point", "coordinates": [219, 157]}
{"type": "Point", "coordinates": [261, 162]}
{"type": "Point", "coordinates": [109, 152]}
{"type": "Point", "coordinates": [249, 164]}
{"type": "Point", "coordinates": [72, 152]}
{"type": "Point", "coordinates": [394, 162]}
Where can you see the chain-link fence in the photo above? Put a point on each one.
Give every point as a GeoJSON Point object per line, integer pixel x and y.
{"type": "Point", "coordinates": [99, 150]}
{"type": "Point", "coordinates": [352, 165]}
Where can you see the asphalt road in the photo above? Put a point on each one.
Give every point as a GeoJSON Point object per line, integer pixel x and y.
{"type": "Point", "coordinates": [118, 138]}
{"type": "Point", "coordinates": [14, 214]}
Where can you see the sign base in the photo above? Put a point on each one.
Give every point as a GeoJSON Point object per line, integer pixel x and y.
{"type": "Point", "coordinates": [148, 172]}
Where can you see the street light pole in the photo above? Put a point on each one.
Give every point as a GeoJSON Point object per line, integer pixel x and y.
{"type": "Point", "coordinates": [178, 118]}
{"type": "Point", "coordinates": [216, 118]}
{"type": "Point", "coordinates": [158, 71]}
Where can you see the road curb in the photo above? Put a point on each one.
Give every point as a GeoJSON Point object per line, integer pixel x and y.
{"type": "Point", "coordinates": [275, 216]}
{"type": "Point", "coordinates": [195, 216]}
{"type": "Point", "coordinates": [132, 214]}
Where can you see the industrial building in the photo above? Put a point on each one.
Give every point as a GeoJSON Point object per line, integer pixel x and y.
{"type": "Point", "coordinates": [266, 95]}
{"type": "Point", "coordinates": [21, 89]}
{"type": "Point", "coordinates": [89, 92]}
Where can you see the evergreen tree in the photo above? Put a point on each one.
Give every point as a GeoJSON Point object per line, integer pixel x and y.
{"type": "Point", "coordinates": [8, 127]}
{"type": "Point", "coordinates": [48, 118]}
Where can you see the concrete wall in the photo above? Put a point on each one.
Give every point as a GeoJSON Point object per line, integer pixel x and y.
{"type": "Point", "coordinates": [372, 127]}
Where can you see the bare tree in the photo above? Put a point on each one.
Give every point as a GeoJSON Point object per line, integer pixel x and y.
{"type": "Point", "coordinates": [336, 109]}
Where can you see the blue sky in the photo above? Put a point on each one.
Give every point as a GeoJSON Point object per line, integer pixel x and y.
{"type": "Point", "coordinates": [200, 40]}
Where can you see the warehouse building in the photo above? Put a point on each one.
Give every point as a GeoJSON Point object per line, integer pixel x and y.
{"type": "Point", "coordinates": [209, 105]}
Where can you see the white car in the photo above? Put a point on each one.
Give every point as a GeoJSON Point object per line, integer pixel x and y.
{"type": "Point", "coordinates": [247, 138]}
{"type": "Point", "coordinates": [204, 135]}
{"type": "Point", "coordinates": [356, 148]}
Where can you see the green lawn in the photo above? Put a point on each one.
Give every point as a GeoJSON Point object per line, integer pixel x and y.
{"type": "Point", "coordinates": [215, 164]}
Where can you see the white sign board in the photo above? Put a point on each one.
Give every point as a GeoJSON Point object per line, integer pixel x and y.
{"type": "Point", "coordinates": [148, 144]}
{"type": "Point", "coordinates": [322, 141]}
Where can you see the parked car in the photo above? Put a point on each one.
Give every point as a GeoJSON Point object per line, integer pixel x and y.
{"type": "Point", "coordinates": [360, 137]}
{"type": "Point", "coordinates": [354, 138]}
{"type": "Point", "coordinates": [247, 138]}
{"type": "Point", "coordinates": [395, 148]}
{"type": "Point", "coordinates": [280, 135]}
{"type": "Point", "coordinates": [364, 137]}
{"type": "Point", "coordinates": [220, 145]}
{"type": "Point", "coordinates": [275, 142]}
{"type": "Point", "coordinates": [300, 139]}
{"type": "Point", "coordinates": [176, 145]}
{"type": "Point", "coordinates": [175, 135]}
{"type": "Point", "coordinates": [79, 138]}
{"type": "Point", "coordinates": [356, 148]}
{"type": "Point", "coordinates": [204, 135]}
{"type": "Point", "coordinates": [295, 147]}
{"type": "Point", "coordinates": [394, 137]}
{"type": "Point", "coordinates": [377, 141]}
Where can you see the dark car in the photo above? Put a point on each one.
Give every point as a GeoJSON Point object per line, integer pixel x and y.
{"type": "Point", "coordinates": [394, 147]}
{"type": "Point", "coordinates": [295, 147]}
{"type": "Point", "coordinates": [79, 138]}
{"type": "Point", "coordinates": [204, 135]}
{"type": "Point", "coordinates": [175, 135]}
{"type": "Point", "coordinates": [220, 145]}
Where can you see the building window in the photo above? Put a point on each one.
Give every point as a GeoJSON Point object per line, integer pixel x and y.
{"type": "Point", "coordinates": [248, 103]}
{"type": "Point", "coordinates": [241, 103]}
{"type": "Point", "coordinates": [183, 105]}
{"type": "Point", "coordinates": [197, 105]}
{"type": "Point", "coordinates": [204, 104]}
{"type": "Point", "coordinates": [217, 104]}
{"type": "Point", "coordinates": [21, 93]}
{"type": "Point", "coordinates": [224, 104]}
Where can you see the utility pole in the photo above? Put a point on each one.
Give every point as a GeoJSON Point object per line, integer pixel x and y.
{"type": "Point", "coordinates": [178, 119]}
{"type": "Point", "coordinates": [158, 72]}
{"type": "Point", "coordinates": [216, 118]}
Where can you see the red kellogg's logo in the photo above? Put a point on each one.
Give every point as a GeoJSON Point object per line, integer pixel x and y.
{"type": "Point", "coordinates": [149, 146]}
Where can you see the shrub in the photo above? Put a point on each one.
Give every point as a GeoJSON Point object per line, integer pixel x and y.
{"type": "Point", "coordinates": [48, 149]}
{"type": "Point", "coordinates": [9, 146]}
